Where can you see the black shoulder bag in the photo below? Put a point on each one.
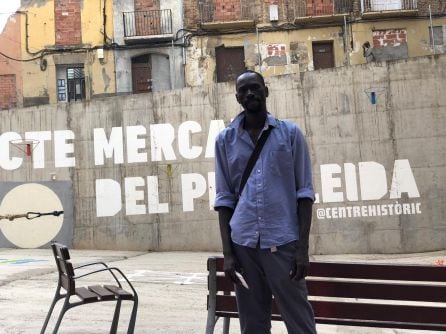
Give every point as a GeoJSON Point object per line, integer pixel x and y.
{"type": "Point", "coordinates": [253, 159]}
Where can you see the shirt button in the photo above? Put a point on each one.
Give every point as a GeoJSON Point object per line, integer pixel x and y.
{"type": "Point", "coordinates": [258, 170]}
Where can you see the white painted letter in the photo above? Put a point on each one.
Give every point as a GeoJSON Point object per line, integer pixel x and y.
{"type": "Point", "coordinates": [372, 179]}
{"type": "Point", "coordinates": [132, 196]}
{"type": "Point", "coordinates": [351, 185]}
{"type": "Point", "coordinates": [111, 147]}
{"type": "Point", "coordinates": [184, 140]}
{"type": "Point", "coordinates": [328, 183]}
{"type": "Point", "coordinates": [153, 196]}
{"type": "Point", "coordinates": [161, 139]}
{"type": "Point", "coordinates": [108, 198]}
{"type": "Point", "coordinates": [134, 144]}
{"type": "Point", "coordinates": [193, 186]}
{"type": "Point", "coordinates": [214, 129]}
{"type": "Point", "coordinates": [6, 162]}
{"type": "Point", "coordinates": [62, 148]}
{"type": "Point", "coordinates": [211, 189]}
{"type": "Point", "coordinates": [403, 180]}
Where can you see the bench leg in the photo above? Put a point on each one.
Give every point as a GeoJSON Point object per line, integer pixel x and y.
{"type": "Point", "coordinates": [226, 322]}
{"type": "Point", "coordinates": [56, 298]}
{"type": "Point", "coordinates": [132, 322]}
{"type": "Point", "coordinates": [114, 326]}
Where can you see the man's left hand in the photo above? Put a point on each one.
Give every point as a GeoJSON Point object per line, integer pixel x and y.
{"type": "Point", "coordinates": [301, 264]}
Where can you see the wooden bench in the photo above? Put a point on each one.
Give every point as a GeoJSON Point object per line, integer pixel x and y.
{"type": "Point", "coordinates": [90, 294]}
{"type": "Point", "coordinates": [352, 294]}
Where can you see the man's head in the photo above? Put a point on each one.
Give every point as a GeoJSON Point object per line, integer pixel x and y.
{"type": "Point", "coordinates": [251, 91]}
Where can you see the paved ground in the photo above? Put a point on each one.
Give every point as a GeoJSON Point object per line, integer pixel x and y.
{"type": "Point", "coordinates": [171, 286]}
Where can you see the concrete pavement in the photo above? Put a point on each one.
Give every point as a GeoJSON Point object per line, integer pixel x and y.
{"type": "Point", "coordinates": [171, 286]}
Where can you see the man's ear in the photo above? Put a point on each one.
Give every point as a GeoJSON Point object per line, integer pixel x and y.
{"type": "Point", "coordinates": [266, 91]}
{"type": "Point", "coordinates": [237, 97]}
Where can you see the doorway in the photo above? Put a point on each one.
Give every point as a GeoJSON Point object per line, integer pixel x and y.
{"type": "Point", "coordinates": [323, 55]}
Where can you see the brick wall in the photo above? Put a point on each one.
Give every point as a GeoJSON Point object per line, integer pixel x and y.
{"type": "Point", "coordinates": [67, 16]}
{"type": "Point", "coordinates": [227, 10]}
{"type": "Point", "coordinates": [389, 37]}
{"type": "Point", "coordinates": [437, 7]}
{"type": "Point", "coordinates": [8, 96]}
{"type": "Point", "coordinates": [146, 5]}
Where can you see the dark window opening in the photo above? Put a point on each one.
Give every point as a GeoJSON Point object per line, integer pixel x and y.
{"type": "Point", "coordinates": [76, 84]}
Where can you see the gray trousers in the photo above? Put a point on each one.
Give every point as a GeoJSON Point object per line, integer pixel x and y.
{"type": "Point", "coordinates": [267, 275]}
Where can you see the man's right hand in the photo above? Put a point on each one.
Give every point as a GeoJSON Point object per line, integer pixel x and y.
{"type": "Point", "coordinates": [229, 267]}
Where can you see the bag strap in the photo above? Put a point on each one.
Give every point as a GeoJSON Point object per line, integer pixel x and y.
{"type": "Point", "coordinates": [253, 158]}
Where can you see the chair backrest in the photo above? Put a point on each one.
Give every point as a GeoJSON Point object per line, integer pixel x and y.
{"type": "Point", "coordinates": [64, 267]}
{"type": "Point", "coordinates": [359, 294]}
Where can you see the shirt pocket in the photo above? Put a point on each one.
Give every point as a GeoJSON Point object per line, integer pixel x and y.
{"type": "Point", "coordinates": [280, 162]}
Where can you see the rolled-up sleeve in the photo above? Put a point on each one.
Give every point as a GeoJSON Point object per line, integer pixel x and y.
{"type": "Point", "coordinates": [302, 167]}
{"type": "Point", "coordinates": [225, 195]}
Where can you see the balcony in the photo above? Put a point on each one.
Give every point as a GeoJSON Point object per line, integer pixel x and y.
{"type": "Point", "coordinates": [147, 26]}
{"type": "Point", "coordinates": [229, 15]}
{"type": "Point", "coordinates": [307, 11]}
{"type": "Point", "coordinates": [388, 8]}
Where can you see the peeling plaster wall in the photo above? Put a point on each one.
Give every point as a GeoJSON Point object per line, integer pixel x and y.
{"type": "Point", "coordinates": [100, 78]}
{"type": "Point", "coordinates": [291, 55]}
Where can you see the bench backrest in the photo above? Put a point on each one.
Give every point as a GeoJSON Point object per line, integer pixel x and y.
{"type": "Point", "coordinates": [358, 294]}
{"type": "Point", "coordinates": [64, 267]}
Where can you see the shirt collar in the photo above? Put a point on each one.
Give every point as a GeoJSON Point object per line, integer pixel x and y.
{"type": "Point", "coordinates": [238, 121]}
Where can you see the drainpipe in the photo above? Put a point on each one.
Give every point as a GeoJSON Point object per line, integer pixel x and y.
{"type": "Point", "coordinates": [26, 33]}
{"type": "Point", "coordinates": [346, 49]}
{"type": "Point", "coordinates": [258, 49]}
{"type": "Point", "coordinates": [432, 29]}
{"type": "Point", "coordinates": [104, 22]}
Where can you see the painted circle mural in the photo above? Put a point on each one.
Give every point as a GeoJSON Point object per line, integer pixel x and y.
{"type": "Point", "coordinates": [31, 197]}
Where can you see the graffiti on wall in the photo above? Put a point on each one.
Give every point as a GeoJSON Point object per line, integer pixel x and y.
{"type": "Point", "coordinates": [365, 182]}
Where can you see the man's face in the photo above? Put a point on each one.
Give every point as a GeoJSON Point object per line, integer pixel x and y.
{"type": "Point", "coordinates": [251, 92]}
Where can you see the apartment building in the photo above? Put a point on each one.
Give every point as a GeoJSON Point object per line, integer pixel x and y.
{"type": "Point", "coordinates": [290, 36]}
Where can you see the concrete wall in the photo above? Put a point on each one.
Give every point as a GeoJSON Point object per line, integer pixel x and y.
{"type": "Point", "coordinates": [143, 179]}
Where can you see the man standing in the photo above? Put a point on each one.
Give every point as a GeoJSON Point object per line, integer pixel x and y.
{"type": "Point", "coordinates": [265, 227]}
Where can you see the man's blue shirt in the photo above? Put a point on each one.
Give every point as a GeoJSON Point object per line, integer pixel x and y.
{"type": "Point", "coordinates": [267, 207]}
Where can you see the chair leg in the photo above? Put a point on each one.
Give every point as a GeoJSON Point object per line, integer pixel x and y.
{"type": "Point", "coordinates": [64, 309]}
{"type": "Point", "coordinates": [114, 326]}
{"type": "Point", "coordinates": [56, 298]}
{"type": "Point", "coordinates": [226, 322]}
{"type": "Point", "coordinates": [132, 322]}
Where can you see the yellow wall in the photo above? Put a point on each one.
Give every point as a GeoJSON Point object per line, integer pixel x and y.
{"type": "Point", "coordinates": [100, 78]}
{"type": "Point", "coordinates": [418, 40]}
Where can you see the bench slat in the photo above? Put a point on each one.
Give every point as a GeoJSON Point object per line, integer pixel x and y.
{"type": "Point", "coordinates": [119, 292]}
{"type": "Point", "coordinates": [354, 311]}
{"type": "Point", "coordinates": [379, 312]}
{"type": "Point", "coordinates": [86, 295]}
{"type": "Point", "coordinates": [365, 290]}
{"type": "Point", "coordinates": [103, 293]}
{"type": "Point", "coordinates": [369, 290]}
{"type": "Point", "coordinates": [369, 271]}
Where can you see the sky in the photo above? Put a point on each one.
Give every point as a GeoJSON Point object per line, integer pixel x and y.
{"type": "Point", "coordinates": [7, 7]}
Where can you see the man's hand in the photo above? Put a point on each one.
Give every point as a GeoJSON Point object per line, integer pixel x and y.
{"type": "Point", "coordinates": [229, 267]}
{"type": "Point", "coordinates": [301, 263]}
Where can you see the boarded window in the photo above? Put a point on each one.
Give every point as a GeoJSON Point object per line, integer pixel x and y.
{"type": "Point", "coordinates": [142, 74]}
{"type": "Point", "coordinates": [230, 63]}
{"type": "Point", "coordinates": [8, 94]}
{"type": "Point", "coordinates": [437, 32]}
{"type": "Point", "coordinates": [323, 56]}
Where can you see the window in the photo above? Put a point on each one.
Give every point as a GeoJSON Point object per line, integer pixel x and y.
{"type": "Point", "coordinates": [437, 33]}
{"type": "Point", "coordinates": [76, 84]}
{"type": "Point", "coordinates": [61, 90]}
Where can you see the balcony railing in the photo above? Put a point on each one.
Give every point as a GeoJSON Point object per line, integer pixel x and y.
{"type": "Point", "coordinates": [240, 10]}
{"type": "Point", "coordinates": [306, 8]}
{"type": "Point", "coordinates": [387, 5]}
{"type": "Point", "coordinates": [147, 23]}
